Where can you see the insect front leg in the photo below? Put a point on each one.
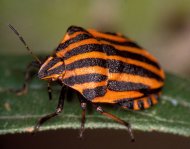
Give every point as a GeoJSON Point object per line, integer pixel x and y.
{"type": "Point", "coordinates": [117, 119]}
{"type": "Point", "coordinates": [29, 74]}
{"type": "Point", "coordinates": [51, 115]}
{"type": "Point", "coordinates": [83, 105]}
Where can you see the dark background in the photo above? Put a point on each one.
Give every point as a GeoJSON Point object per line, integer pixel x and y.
{"type": "Point", "coordinates": [94, 139]}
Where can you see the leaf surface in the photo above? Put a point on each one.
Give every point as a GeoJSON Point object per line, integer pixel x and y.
{"type": "Point", "coordinates": [20, 113]}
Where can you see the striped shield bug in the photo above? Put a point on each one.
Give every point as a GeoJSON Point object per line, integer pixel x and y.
{"type": "Point", "coordinates": [104, 68]}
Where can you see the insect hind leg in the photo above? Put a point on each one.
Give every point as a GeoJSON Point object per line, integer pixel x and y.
{"type": "Point", "coordinates": [83, 105]}
{"type": "Point", "coordinates": [49, 91]}
{"type": "Point", "coordinates": [117, 119]}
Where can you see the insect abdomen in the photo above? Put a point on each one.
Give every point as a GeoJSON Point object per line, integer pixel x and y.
{"type": "Point", "coordinates": [135, 78]}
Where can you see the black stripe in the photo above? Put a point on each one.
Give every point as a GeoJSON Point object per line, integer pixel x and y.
{"type": "Point", "coordinates": [73, 29]}
{"type": "Point", "coordinates": [84, 49]}
{"type": "Point", "coordinates": [44, 71]}
{"type": "Point", "coordinates": [56, 70]}
{"type": "Point", "coordinates": [147, 92]}
{"type": "Point", "coordinates": [111, 33]}
{"type": "Point", "coordinates": [126, 86]}
{"type": "Point", "coordinates": [126, 43]}
{"type": "Point", "coordinates": [149, 100]}
{"type": "Point", "coordinates": [128, 104]}
{"type": "Point", "coordinates": [78, 38]}
{"type": "Point", "coordinates": [90, 94]}
{"type": "Point", "coordinates": [116, 66]}
{"type": "Point", "coordinates": [80, 79]}
{"type": "Point", "coordinates": [140, 104]}
{"type": "Point", "coordinates": [110, 50]}
{"type": "Point", "coordinates": [86, 63]}
{"type": "Point", "coordinates": [52, 62]}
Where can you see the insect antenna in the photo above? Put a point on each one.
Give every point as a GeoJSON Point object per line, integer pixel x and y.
{"type": "Point", "coordinates": [23, 41]}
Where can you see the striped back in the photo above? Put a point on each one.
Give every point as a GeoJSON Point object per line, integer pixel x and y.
{"type": "Point", "coordinates": [108, 67]}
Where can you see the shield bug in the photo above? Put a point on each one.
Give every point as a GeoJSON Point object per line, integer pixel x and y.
{"type": "Point", "coordinates": [103, 68]}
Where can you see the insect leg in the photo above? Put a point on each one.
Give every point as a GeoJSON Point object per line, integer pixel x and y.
{"type": "Point", "coordinates": [51, 115]}
{"type": "Point", "coordinates": [49, 91]}
{"type": "Point", "coordinates": [27, 78]}
{"type": "Point", "coordinates": [115, 118]}
{"type": "Point", "coordinates": [70, 94]}
{"type": "Point", "coordinates": [83, 105]}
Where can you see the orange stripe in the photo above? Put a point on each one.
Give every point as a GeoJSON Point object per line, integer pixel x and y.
{"type": "Point", "coordinates": [153, 83]}
{"type": "Point", "coordinates": [107, 36]}
{"type": "Point", "coordinates": [52, 77]}
{"type": "Point", "coordinates": [139, 63]}
{"type": "Point", "coordinates": [46, 62]}
{"type": "Point", "coordinates": [56, 65]}
{"type": "Point", "coordinates": [133, 50]}
{"type": "Point", "coordinates": [81, 87]}
{"type": "Point", "coordinates": [77, 44]}
{"type": "Point", "coordinates": [93, 54]}
{"type": "Point", "coordinates": [86, 70]}
{"type": "Point", "coordinates": [154, 100]}
{"type": "Point", "coordinates": [113, 96]}
{"type": "Point", "coordinates": [67, 36]}
{"type": "Point", "coordinates": [135, 105]}
{"type": "Point", "coordinates": [145, 102]}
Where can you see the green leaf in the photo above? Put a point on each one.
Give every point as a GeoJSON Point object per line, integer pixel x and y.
{"type": "Point", "coordinates": [19, 113]}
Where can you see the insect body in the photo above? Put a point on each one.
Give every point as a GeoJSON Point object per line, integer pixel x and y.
{"type": "Point", "coordinates": [104, 68]}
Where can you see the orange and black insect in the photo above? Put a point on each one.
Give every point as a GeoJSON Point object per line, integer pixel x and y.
{"type": "Point", "coordinates": [102, 67]}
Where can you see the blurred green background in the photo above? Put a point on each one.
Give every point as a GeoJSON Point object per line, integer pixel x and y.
{"type": "Point", "coordinates": [162, 27]}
